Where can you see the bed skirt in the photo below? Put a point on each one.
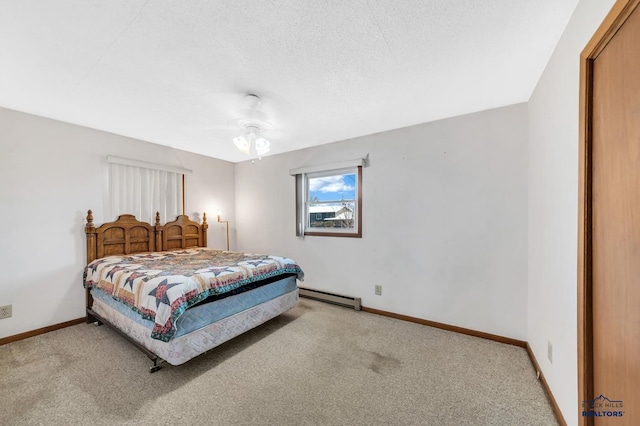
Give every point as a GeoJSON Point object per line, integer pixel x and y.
{"type": "Point", "coordinates": [181, 349]}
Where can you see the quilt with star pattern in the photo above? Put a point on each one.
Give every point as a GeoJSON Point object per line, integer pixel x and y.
{"type": "Point", "coordinates": [160, 286]}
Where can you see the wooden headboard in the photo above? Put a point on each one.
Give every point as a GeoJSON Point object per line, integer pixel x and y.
{"type": "Point", "coordinates": [183, 233]}
{"type": "Point", "coordinates": [127, 235]}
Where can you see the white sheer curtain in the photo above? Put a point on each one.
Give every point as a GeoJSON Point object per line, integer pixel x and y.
{"type": "Point", "coordinates": [142, 192]}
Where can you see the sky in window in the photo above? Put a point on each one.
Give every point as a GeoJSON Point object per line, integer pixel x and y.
{"type": "Point", "coordinates": [333, 188]}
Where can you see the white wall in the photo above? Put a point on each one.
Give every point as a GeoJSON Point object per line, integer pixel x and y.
{"type": "Point", "coordinates": [553, 208]}
{"type": "Point", "coordinates": [51, 174]}
{"type": "Point", "coordinates": [444, 220]}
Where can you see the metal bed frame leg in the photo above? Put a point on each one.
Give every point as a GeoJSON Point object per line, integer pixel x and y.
{"type": "Point", "coordinates": [157, 365]}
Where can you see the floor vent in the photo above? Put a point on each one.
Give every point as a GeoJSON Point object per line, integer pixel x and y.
{"type": "Point", "coordinates": [351, 302]}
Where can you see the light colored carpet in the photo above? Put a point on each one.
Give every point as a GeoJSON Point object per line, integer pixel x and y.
{"type": "Point", "coordinates": [318, 364]}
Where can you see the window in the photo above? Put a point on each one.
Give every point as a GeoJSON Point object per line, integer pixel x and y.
{"type": "Point", "coordinates": [142, 189]}
{"type": "Point", "coordinates": [329, 201]}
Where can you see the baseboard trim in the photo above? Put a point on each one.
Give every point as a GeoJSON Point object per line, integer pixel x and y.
{"type": "Point", "coordinates": [448, 327]}
{"type": "Point", "coordinates": [27, 334]}
{"type": "Point", "coordinates": [547, 389]}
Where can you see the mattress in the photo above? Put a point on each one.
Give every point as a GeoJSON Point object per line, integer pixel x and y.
{"type": "Point", "coordinates": [181, 349]}
{"type": "Point", "coordinates": [161, 286]}
{"type": "Point", "coordinates": [199, 316]}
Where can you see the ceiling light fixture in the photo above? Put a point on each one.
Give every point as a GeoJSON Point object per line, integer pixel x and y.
{"type": "Point", "coordinates": [251, 142]}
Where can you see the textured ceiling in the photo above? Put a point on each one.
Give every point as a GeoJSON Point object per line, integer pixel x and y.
{"type": "Point", "coordinates": [175, 73]}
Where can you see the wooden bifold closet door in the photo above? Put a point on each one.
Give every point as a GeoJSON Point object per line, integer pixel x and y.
{"type": "Point", "coordinates": [614, 227]}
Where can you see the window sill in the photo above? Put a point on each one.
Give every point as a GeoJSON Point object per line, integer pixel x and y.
{"type": "Point", "coordinates": [334, 234]}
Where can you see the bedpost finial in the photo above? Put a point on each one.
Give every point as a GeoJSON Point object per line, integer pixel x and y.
{"type": "Point", "coordinates": [89, 228]}
{"type": "Point", "coordinates": [204, 217]}
{"type": "Point", "coordinates": [157, 218]}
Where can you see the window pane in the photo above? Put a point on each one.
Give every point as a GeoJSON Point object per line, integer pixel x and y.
{"type": "Point", "coordinates": [332, 188]}
{"type": "Point", "coordinates": [331, 201]}
{"type": "Point", "coordinates": [332, 215]}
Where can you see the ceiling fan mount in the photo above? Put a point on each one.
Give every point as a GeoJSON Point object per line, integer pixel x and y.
{"type": "Point", "coordinates": [252, 118]}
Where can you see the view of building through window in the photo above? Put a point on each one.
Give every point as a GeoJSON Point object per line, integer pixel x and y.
{"type": "Point", "coordinates": [332, 201]}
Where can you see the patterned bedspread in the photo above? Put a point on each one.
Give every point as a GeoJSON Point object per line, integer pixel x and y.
{"type": "Point", "coordinates": [160, 286]}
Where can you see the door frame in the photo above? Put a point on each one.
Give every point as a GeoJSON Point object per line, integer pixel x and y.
{"type": "Point", "coordinates": [619, 13]}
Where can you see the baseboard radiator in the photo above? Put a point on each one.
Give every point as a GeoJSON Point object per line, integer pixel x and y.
{"type": "Point", "coordinates": [336, 299]}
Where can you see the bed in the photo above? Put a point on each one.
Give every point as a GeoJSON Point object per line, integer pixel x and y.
{"type": "Point", "coordinates": [170, 295]}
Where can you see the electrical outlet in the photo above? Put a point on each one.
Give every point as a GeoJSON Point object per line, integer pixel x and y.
{"type": "Point", "coordinates": [5, 311]}
{"type": "Point", "coordinates": [378, 290]}
{"type": "Point", "coordinates": [550, 352]}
